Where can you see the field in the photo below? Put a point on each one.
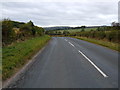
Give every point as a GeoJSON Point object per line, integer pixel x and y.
{"type": "Point", "coordinates": [77, 30]}
{"type": "Point", "coordinates": [16, 55]}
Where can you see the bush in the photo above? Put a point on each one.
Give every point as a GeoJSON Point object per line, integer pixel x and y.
{"type": "Point", "coordinates": [110, 35]}
{"type": "Point", "coordinates": [13, 31]}
{"type": "Point", "coordinates": [8, 34]}
{"type": "Point", "coordinates": [66, 33]}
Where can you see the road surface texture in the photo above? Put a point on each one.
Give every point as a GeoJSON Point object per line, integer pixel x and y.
{"type": "Point", "coordinates": [71, 63]}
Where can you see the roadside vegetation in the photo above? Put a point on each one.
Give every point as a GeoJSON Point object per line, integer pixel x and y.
{"type": "Point", "coordinates": [13, 31]}
{"type": "Point", "coordinates": [76, 30]}
{"type": "Point", "coordinates": [108, 36]}
{"type": "Point", "coordinates": [20, 41]}
{"type": "Point", "coordinates": [18, 54]}
{"type": "Point", "coordinates": [111, 45]}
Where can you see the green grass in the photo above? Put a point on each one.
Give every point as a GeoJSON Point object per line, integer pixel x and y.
{"type": "Point", "coordinates": [0, 63]}
{"type": "Point", "coordinates": [111, 45]}
{"type": "Point", "coordinates": [15, 56]}
{"type": "Point", "coordinates": [77, 30]}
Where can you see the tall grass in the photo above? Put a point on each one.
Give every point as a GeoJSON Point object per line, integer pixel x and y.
{"type": "Point", "coordinates": [111, 45]}
{"type": "Point", "coordinates": [18, 54]}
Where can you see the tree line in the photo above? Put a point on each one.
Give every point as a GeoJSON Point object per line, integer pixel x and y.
{"type": "Point", "coordinates": [109, 33]}
{"type": "Point", "coordinates": [19, 31]}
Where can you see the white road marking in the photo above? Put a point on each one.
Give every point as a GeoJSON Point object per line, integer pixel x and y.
{"type": "Point", "coordinates": [101, 72]}
{"type": "Point", "coordinates": [71, 44]}
{"type": "Point", "coordinates": [94, 65]}
{"type": "Point", "coordinates": [65, 39]}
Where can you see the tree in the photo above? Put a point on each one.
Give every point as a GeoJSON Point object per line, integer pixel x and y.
{"type": "Point", "coordinates": [39, 31]}
{"type": "Point", "coordinates": [59, 33]}
{"type": "Point", "coordinates": [31, 27]}
{"type": "Point", "coordinates": [83, 28]}
{"type": "Point", "coordinates": [25, 30]}
{"type": "Point", "coordinates": [98, 29]}
{"type": "Point", "coordinates": [28, 29]}
{"type": "Point", "coordinates": [66, 32]}
{"type": "Point", "coordinates": [8, 34]}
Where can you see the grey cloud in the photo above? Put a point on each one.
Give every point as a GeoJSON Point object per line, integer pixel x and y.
{"type": "Point", "coordinates": [61, 13]}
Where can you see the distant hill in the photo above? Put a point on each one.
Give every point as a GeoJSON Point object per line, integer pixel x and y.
{"type": "Point", "coordinates": [57, 28]}
{"type": "Point", "coordinates": [67, 27]}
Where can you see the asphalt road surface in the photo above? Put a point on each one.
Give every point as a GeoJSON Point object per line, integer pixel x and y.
{"type": "Point", "coordinates": [71, 63]}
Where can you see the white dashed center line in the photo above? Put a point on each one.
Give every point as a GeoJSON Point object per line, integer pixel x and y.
{"type": "Point", "coordinates": [71, 44]}
{"type": "Point", "coordinates": [95, 66]}
{"type": "Point", "coordinates": [104, 75]}
{"type": "Point", "coordinates": [65, 39]}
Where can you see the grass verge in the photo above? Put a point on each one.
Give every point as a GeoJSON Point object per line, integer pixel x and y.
{"type": "Point", "coordinates": [15, 56]}
{"type": "Point", "coordinates": [111, 45]}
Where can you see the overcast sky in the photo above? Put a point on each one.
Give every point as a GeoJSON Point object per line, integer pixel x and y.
{"type": "Point", "coordinates": [51, 13]}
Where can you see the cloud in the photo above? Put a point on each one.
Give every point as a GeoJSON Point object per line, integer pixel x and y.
{"type": "Point", "coordinates": [62, 13]}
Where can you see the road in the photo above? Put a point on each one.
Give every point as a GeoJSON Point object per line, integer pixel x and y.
{"type": "Point", "coordinates": [71, 63]}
